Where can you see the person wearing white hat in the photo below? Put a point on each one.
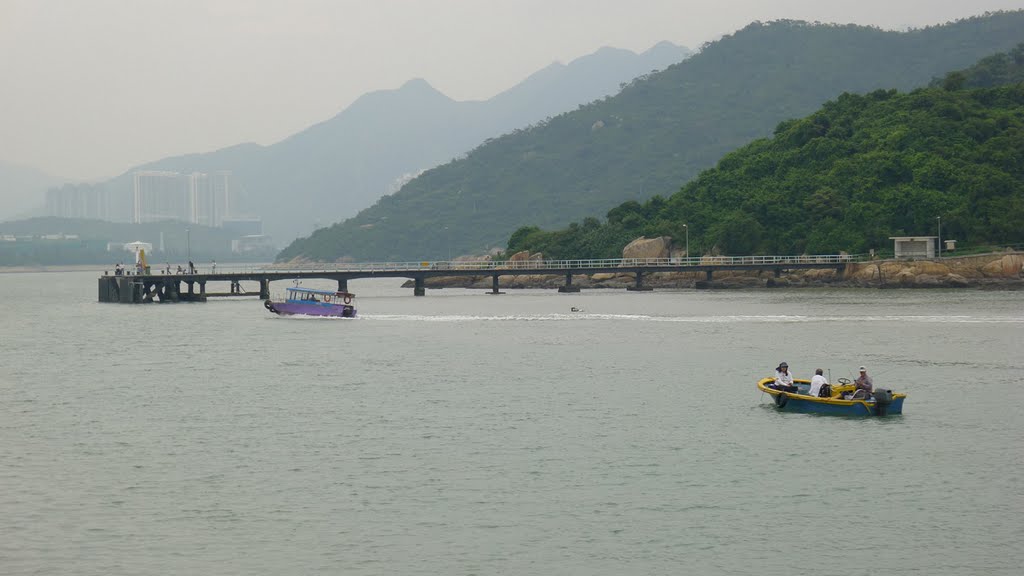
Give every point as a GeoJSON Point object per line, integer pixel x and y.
{"type": "Point", "coordinates": [863, 382]}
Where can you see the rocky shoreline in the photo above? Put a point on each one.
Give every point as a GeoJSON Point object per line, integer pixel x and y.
{"type": "Point", "coordinates": [1001, 270]}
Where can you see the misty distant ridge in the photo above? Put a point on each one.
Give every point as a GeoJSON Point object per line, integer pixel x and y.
{"type": "Point", "coordinates": [333, 169]}
{"type": "Point", "coordinates": [23, 190]}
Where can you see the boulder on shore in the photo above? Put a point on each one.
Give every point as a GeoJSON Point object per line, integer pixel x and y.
{"type": "Point", "coordinates": [644, 248]}
{"type": "Point", "coordinates": [1008, 266]}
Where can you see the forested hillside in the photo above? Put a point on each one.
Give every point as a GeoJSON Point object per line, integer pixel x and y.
{"type": "Point", "coordinates": [859, 170]}
{"type": "Point", "coordinates": [995, 70]}
{"type": "Point", "coordinates": [651, 138]}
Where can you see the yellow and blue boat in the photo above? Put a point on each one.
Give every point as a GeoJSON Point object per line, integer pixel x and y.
{"type": "Point", "coordinates": [883, 402]}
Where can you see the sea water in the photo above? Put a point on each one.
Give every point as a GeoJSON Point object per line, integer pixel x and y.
{"type": "Point", "coordinates": [466, 433]}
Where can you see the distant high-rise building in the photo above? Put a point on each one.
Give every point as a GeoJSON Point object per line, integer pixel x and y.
{"type": "Point", "coordinates": [199, 198]}
{"type": "Point", "coordinates": [224, 196]}
{"type": "Point", "coordinates": [81, 201]}
{"type": "Point", "coordinates": [206, 201]}
{"type": "Point", "coordinates": [200, 204]}
{"type": "Point", "coordinates": [158, 195]}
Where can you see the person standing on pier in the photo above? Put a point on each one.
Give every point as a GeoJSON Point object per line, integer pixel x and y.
{"type": "Point", "coordinates": [213, 266]}
{"type": "Point", "coordinates": [191, 267]}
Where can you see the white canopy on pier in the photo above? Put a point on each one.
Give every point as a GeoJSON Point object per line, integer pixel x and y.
{"type": "Point", "coordinates": [136, 246]}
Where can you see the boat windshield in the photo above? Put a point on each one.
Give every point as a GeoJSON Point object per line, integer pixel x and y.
{"type": "Point", "coordinates": [307, 296]}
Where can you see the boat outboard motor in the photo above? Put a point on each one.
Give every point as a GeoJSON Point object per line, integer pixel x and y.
{"type": "Point", "coordinates": [883, 398]}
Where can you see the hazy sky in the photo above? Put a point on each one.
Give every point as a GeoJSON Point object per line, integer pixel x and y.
{"type": "Point", "coordinates": [90, 88]}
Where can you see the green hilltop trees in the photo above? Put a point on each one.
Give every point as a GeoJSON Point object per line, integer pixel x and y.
{"type": "Point", "coordinates": [847, 177]}
{"type": "Point", "coordinates": [995, 70]}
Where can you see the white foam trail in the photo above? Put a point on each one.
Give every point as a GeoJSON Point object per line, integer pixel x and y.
{"type": "Point", "coordinates": [307, 317]}
{"type": "Point", "coordinates": [694, 319]}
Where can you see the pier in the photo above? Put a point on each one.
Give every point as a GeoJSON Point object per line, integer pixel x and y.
{"type": "Point", "coordinates": [162, 287]}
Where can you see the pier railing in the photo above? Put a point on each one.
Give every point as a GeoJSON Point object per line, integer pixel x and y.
{"type": "Point", "coordinates": [487, 265]}
{"type": "Point", "coordinates": [500, 265]}
{"type": "Point", "coordinates": [164, 283]}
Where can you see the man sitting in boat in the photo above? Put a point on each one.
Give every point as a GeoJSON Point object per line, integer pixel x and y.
{"type": "Point", "coordinates": [863, 385]}
{"type": "Point", "coordinates": [817, 382]}
{"type": "Point", "coordinates": [783, 378]}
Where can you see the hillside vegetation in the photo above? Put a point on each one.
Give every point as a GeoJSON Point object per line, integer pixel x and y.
{"type": "Point", "coordinates": [847, 177]}
{"type": "Point", "coordinates": [996, 70]}
{"type": "Point", "coordinates": [658, 133]}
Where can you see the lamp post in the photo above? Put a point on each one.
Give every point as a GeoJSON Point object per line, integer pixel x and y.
{"type": "Point", "coordinates": [188, 243]}
{"type": "Point", "coordinates": [449, 233]}
{"type": "Point", "coordinates": [686, 227]}
{"type": "Point", "coordinates": [938, 219]}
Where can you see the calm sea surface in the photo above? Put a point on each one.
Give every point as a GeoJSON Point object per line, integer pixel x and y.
{"type": "Point", "coordinates": [462, 433]}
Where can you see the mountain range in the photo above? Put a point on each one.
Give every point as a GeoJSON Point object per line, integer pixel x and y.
{"type": "Point", "coordinates": [655, 135]}
{"type": "Point", "coordinates": [329, 171]}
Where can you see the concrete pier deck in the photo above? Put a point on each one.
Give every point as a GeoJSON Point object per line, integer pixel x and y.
{"type": "Point", "coordinates": [161, 287]}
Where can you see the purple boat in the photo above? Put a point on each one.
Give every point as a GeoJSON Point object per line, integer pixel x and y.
{"type": "Point", "coordinates": [310, 302]}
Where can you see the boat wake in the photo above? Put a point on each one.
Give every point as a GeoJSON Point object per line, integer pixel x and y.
{"type": "Point", "coordinates": [309, 317]}
{"type": "Point", "coordinates": [742, 319]}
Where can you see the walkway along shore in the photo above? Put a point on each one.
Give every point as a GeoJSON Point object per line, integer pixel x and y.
{"type": "Point", "coordinates": [995, 270]}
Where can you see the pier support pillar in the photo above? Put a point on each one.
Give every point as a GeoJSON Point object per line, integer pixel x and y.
{"type": "Point", "coordinates": [777, 272]}
{"type": "Point", "coordinates": [108, 289]}
{"type": "Point", "coordinates": [419, 289]}
{"type": "Point", "coordinates": [125, 290]}
{"type": "Point", "coordinates": [343, 285]}
{"type": "Point", "coordinates": [494, 285]}
{"type": "Point", "coordinates": [568, 285]}
{"type": "Point", "coordinates": [264, 289]}
{"type": "Point", "coordinates": [202, 288]}
{"type": "Point", "coordinates": [708, 276]}
{"type": "Point", "coordinates": [639, 284]}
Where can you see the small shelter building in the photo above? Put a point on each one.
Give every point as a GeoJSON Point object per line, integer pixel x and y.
{"type": "Point", "coordinates": [914, 246]}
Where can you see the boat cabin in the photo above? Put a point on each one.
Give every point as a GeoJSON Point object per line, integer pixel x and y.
{"type": "Point", "coordinates": [313, 296]}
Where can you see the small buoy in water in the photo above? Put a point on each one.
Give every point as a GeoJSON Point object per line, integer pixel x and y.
{"type": "Point", "coordinates": [575, 309]}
